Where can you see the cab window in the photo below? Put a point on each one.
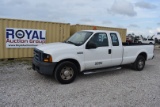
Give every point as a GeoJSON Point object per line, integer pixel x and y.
{"type": "Point", "coordinates": [100, 39]}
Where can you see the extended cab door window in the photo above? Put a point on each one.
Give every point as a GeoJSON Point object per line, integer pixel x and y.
{"type": "Point", "coordinates": [100, 39]}
{"type": "Point", "coordinates": [115, 41]}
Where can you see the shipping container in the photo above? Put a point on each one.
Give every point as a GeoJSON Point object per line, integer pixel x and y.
{"type": "Point", "coordinates": [55, 32]}
{"type": "Point", "coordinates": [122, 31]}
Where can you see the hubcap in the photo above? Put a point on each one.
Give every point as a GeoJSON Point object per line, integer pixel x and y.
{"type": "Point", "coordinates": [66, 73]}
{"type": "Point", "coordinates": [141, 64]}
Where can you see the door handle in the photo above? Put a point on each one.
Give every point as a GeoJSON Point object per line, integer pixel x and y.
{"type": "Point", "coordinates": [109, 51]}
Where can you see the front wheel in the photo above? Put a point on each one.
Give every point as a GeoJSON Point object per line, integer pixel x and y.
{"type": "Point", "coordinates": [65, 72]}
{"type": "Point", "coordinates": [139, 63]}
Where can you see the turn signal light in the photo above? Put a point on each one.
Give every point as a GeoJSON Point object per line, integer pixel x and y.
{"type": "Point", "coordinates": [47, 58]}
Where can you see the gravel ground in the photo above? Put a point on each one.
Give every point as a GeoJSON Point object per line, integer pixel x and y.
{"type": "Point", "coordinates": [21, 86]}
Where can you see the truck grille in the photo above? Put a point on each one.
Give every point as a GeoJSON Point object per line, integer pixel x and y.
{"type": "Point", "coordinates": [37, 54]}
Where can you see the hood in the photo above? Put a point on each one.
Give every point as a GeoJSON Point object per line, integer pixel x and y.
{"type": "Point", "coordinates": [48, 48]}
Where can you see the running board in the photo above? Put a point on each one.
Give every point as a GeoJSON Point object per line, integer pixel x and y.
{"type": "Point", "coordinates": [100, 70]}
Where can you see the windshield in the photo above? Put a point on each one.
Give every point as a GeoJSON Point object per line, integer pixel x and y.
{"type": "Point", "coordinates": [79, 38]}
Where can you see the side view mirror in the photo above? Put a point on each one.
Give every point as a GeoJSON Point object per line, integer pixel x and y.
{"type": "Point", "coordinates": [91, 45]}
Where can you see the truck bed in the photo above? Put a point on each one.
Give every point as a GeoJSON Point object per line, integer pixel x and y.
{"type": "Point", "coordinates": [132, 50]}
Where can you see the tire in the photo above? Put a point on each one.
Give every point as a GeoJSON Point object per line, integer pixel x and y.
{"type": "Point", "coordinates": [65, 72]}
{"type": "Point", "coordinates": [140, 42]}
{"type": "Point", "coordinates": [139, 64]}
{"type": "Point", "coordinates": [156, 40]}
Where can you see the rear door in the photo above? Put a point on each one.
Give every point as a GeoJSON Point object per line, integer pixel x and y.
{"type": "Point", "coordinates": [101, 56]}
{"type": "Point", "coordinates": [117, 49]}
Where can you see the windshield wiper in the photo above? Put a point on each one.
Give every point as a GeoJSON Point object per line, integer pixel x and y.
{"type": "Point", "coordinates": [70, 42]}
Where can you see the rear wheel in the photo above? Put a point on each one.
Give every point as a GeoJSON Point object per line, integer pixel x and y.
{"type": "Point", "coordinates": [139, 63]}
{"type": "Point", "coordinates": [65, 72]}
{"type": "Point", "coordinates": [139, 42]}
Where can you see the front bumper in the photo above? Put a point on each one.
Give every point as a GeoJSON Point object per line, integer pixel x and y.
{"type": "Point", "coordinates": [43, 67]}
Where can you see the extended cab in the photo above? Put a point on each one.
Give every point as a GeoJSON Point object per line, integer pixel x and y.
{"type": "Point", "coordinates": [88, 51]}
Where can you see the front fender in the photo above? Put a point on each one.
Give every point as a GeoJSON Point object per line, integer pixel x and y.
{"type": "Point", "coordinates": [70, 56]}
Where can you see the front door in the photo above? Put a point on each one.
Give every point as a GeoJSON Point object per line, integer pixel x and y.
{"type": "Point", "coordinates": [100, 56]}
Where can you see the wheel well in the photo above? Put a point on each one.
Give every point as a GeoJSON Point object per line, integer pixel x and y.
{"type": "Point", "coordinates": [71, 60]}
{"type": "Point", "coordinates": [144, 55]}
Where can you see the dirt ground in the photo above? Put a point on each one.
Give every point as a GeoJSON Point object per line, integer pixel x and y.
{"type": "Point", "coordinates": [21, 86]}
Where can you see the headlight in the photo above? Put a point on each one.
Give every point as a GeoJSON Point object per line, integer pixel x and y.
{"type": "Point", "coordinates": [47, 58]}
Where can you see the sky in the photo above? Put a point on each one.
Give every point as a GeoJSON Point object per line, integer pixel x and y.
{"type": "Point", "coordinates": [141, 17]}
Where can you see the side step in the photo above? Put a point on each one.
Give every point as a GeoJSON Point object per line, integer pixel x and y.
{"type": "Point", "coordinates": [100, 70]}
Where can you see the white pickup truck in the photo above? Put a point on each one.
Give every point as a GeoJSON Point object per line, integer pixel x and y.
{"type": "Point", "coordinates": [89, 51]}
